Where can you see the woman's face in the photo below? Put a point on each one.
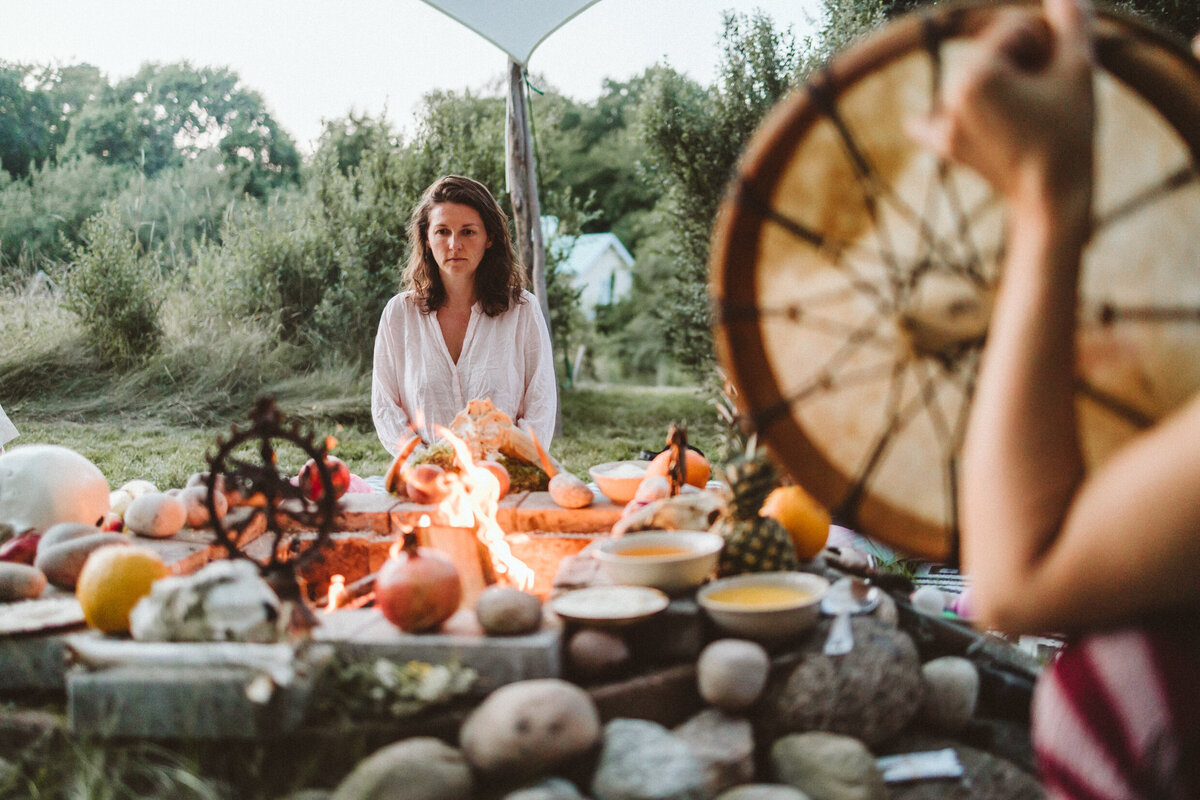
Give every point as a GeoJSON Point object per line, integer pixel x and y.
{"type": "Point", "coordinates": [457, 238]}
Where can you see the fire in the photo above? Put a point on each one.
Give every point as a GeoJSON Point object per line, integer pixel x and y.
{"type": "Point", "coordinates": [337, 590]}
{"type": "Point", "coordinates": [422, 522]}
{"type": "Point", "coordinates": [473, 501]}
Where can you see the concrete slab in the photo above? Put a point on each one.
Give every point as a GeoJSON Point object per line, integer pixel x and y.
{"type": "Point", "coordinates": [35, 662]}
{"type": "Point", "coordinates": [205, 702]}
{"type": "Point", "coordinates": [365, 634]}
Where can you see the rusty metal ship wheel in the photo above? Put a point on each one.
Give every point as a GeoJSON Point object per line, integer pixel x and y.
{"type": "Point", "coordinates": [853, 272]}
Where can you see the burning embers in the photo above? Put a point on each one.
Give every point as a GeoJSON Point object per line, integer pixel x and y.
{"type": "Point", "coordinates": [468, 532]}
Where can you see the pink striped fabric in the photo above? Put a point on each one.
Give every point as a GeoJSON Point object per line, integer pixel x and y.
{"type": "Point", "coordinates": [1117, 717]}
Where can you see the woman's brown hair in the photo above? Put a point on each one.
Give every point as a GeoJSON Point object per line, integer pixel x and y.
{"type": "Point", "coordinates": [499, 278]}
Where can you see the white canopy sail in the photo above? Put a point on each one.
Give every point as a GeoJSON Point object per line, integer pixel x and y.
{"type": "Point", "coordinates": [515, 26]}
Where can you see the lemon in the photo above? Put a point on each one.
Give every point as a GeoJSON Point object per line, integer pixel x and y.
{"type": "Point", "coordinates": [806, 520]}
{"type": "Point", "coordinates": [111, 583]}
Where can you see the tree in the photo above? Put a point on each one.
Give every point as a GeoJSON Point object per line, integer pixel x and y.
{"type": "Point", "coordinates": [693, 137]}
{"type": "Point", "coordinates": [166, 114]}
{"type": "Point", "coordinates": [24, 116]}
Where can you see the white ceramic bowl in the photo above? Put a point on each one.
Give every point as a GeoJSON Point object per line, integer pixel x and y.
{"type": "Point", "coordinates": [619, 480]}
{"type": "Point", "coordinates": [764, 605]}
{"type": "Point", "coordinates": [672, 561]}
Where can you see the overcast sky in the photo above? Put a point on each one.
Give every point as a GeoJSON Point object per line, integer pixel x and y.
{"type": "Point", "coordinates": [318, 59]}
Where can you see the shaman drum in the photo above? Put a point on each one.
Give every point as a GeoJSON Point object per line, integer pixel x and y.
{"type": "Point", "coordinates": [852, 272]}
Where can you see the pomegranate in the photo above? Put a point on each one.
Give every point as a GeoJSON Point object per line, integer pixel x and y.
{"type": "Point", "coordinates": [419, 589]}
{"type": "Point", "coordinates": [310, 477]}
{"type": "Point", "coordinates": [21, 549]}
{"type": "Point", "coordinates": [499, 471]}
{"type": "Point", "coordinates": [426, 484]}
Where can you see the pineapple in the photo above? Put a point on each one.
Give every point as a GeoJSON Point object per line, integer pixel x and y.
{"type": "Point", "coordinates": [752, 543]}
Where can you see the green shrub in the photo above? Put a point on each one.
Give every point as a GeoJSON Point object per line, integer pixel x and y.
{"type": "Point", "coordinates": [116, 289]}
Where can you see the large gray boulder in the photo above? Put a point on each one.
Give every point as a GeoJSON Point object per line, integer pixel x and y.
{"type": "Point", "coordinates": [870, 693]}
{"type": "Point", "coordinates": [642, 760]}
{"type": "Point", "coordinates": [724, 743]}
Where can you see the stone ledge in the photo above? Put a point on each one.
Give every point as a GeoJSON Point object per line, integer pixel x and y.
{"type": "Point", "coordinates": [365, 634]}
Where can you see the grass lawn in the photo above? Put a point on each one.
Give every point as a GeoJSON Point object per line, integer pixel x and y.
{"type": "Point", "coordinates": [599, 424]}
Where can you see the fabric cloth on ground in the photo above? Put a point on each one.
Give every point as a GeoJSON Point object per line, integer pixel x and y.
{"type": "Point", "coordinates": [506, 358]}
{"type": "Point", "coordinates": [1117, 717]}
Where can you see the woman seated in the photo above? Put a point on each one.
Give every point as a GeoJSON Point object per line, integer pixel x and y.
{"type": "Point", "coordinates": [465, 328]}
{"type": "Point", "coordinates": [1111, 556]}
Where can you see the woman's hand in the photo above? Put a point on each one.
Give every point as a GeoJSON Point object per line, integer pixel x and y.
{"type": "Point", "coordinates": [1021, 112]}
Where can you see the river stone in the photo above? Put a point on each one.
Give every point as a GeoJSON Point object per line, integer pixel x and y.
{"type": "Point", "coordinates": [724, 743]}
{"type": "Point", "coordinates": [596, 654]}
{"type": "Point", "coordinates": [985, 776]}
{"type": "Point", "coordinates": [929, 600]}
{"type": "Point", "coordinates": [528, 727]}
{"type": "Point", "coordinates": [763, 791]}
{"type": "Point", "coordinates": [887, 611]}
{"type": "Point", "coordinates": [156, 515]}
{"type": "Point", "coordinates": [507, 611]}
{"type": "Point", "coordinates": [547, 789]}
{"type": "Point", "coordinates": [642, 760]}
{"type": "Point", "coordinates": [951, 692]}
{"type": "Point", "coordinates": [731, 673]}
{"type": "Point", "coordinates": [872, 692]}
{"type": "Point", "coordinates": [421, 768]}
{"type": "Point", "coordinates": [828, 766]}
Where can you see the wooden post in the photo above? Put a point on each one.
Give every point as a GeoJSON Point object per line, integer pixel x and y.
{"type": "Point", "coordinates": [521, 174]}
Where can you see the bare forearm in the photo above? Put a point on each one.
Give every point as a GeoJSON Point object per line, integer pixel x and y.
{"type": "Point", "coordinates": [1022, 462]}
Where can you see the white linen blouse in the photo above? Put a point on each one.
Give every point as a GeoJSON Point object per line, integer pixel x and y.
{"type": "Point", "coordinates": [506, 358]}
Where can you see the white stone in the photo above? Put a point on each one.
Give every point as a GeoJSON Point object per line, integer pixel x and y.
{"type": "Point", "coordinates": [224, 601]}
{"type": "Point", "coordinates": [929, 600]}
{"type": "Point", "coordinates": [731, 673]}
{"type": "Point", "coordinates": [156, 515]}
{"type": "Point", "coordinates": [951, 692]}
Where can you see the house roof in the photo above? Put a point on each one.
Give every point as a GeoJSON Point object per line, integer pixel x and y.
{"type": "Point", "coordinates": [587, 247]}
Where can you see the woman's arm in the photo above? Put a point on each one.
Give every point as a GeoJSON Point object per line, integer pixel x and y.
{"type": "Point", "coordinates": [1045, 548]}
{"type": "Point", "coordinates": [540, 405]}
{"type": "Point", "coordinates": [392, 424]}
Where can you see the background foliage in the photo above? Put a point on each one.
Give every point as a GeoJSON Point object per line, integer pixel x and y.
{"type": "Point", "coordinates": [176, 188]}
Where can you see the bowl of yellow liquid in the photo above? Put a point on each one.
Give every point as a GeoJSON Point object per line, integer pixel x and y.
{"type": "Point", "coordinates": [672, 561]}
{"type": "Point", "coordinates": [764, 605]}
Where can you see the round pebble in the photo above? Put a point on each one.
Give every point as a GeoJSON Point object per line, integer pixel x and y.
{"type": "Point", "coordinates": [595, 653]}
{"type": "Point", "coordinates": [731, 673]}
{"type": "Point", "coordinates": [505, 611]}
{"type": "Point", "coordinates": [157, 515]}
{"type": "Point", "coordinates": [929, 600]}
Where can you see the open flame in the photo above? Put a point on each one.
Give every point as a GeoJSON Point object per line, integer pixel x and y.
{"type": "Point", "coordinates": [337, 590]}
{"type": "Point", "coordinates": [473, 500]}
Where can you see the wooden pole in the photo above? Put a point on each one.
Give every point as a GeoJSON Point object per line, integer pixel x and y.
{"type": "Point", "coordinates": [521, 174]}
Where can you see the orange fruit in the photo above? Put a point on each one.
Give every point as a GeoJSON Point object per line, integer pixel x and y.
{"type": "Point", "coordinates": [112, 581]}
{"type": "Point", "coordinates": [698, 468]}
{"type": "Point", "coordinates": [806, 520]}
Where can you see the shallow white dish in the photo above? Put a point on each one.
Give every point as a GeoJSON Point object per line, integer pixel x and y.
{"type": "Point", "coordinates": [609, 605]}
{"type": "Point", "coordinates": [619, 480]}
{"type": "Point", "coordinates": [669, 560]}
{"type": "Point", "coordinates": [765, 619]}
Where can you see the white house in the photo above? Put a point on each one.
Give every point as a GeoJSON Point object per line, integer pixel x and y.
{"type": "Point", "coordinates": [602, 267]}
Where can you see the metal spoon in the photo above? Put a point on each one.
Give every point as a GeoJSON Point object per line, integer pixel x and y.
{"type": "Point", "coordinates": [847, 596]}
